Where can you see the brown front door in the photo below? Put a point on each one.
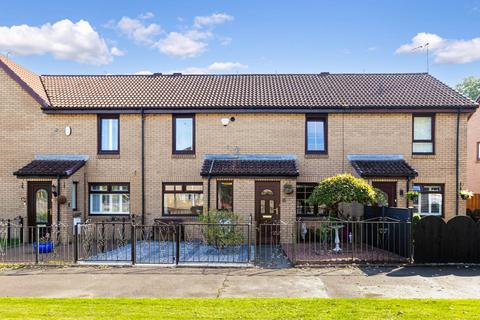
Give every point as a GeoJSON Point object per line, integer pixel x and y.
{"type": "Point", "coordinates": [39, 203]}
{"type": "Point", "coordinates": [390, 189]}
{"type": "Point", "coordinates": [267, 211]}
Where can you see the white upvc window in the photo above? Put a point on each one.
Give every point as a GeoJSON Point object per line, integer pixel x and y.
{"type": "Point", "coordinates": [109, 199]}
{"type": "Point", "coordinates": [430, 200]}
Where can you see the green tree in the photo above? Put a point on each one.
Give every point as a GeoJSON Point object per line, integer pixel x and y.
{"type": "Point", "coordinates": [344, 187]}
{"type": "Point", "coordinates": [469, 87]}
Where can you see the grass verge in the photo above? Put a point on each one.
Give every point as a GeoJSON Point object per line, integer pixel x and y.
{"type": "Point", "coordinates": [290, 308]}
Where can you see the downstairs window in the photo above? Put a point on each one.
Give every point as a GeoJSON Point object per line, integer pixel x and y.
{"type": "Point", "coordinates": [109, 198]}
{"type": "Point", "coordinates": [182, 198]}
{"type": "Point", "coordinates": [430, 200]}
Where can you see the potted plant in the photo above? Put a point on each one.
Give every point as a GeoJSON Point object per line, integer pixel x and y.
{"type": "Point", "coordinates": [45, 245]}
{"type": "Point", "coordinates": [465, 194]}
{"type": "Point", "coordinates": [412, 195]}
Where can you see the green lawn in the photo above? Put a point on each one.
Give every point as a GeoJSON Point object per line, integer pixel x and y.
{"type": "Point", "coordinates": [37, 308]}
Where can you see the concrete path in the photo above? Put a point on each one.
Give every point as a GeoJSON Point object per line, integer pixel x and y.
{"type": "Point", "coordinates": [410, 282]}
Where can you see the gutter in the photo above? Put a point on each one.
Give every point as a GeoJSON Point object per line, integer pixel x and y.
{"type": "Point", "coordinates": [143, 165]}
{"type": "Point", "coordinates": [209, 180]}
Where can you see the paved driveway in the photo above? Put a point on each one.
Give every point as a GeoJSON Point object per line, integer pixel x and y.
{"type": "Point", "coordinates": [410, 282]}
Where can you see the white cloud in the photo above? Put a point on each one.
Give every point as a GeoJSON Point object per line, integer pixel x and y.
{"type": "Point", "coordinates": [216, 18]}
{"type": "Point", "coordinates": [143, 73]}
{"type": "Point", "coordinates": [444, 50]}
{"type": "Point", "coordinates": [116, 52]}
{"type": "Point", "coordinates": [63, 39]}
{"type": "Point", "coordinates": [189, 41]}
{"type": "Point", "coordinates": [146, 15]}
{"type": "Point", "coordinates": [184, 45]}
{"type": "Point", "coordinates": [137, 30]}
{"type": "Point", "coordinates": [216, 67]}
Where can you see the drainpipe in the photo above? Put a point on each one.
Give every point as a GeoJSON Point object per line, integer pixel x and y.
{"type": "Point", "coordinates": [209, 179]}
{"type": "Point", "coordinates": [143, 165]}
{"type": "Point", "coordinates": [457, 162]}
{"type": "Point", "coordinates": [407, 189]}
{"type": "Point", "coordinates": [58, 203]}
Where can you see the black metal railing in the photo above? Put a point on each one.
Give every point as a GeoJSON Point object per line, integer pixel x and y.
{"type": "Point", "coordinates": [36, 244]}
{"type": "Point", "coordinates": [274, 245]}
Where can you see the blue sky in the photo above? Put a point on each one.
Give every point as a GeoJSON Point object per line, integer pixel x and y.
{"type": "Point", "coordinates": [125, 37]}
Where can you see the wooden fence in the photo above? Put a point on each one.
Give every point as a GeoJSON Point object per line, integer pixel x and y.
{"type": "Point", "coordinates": [457, 241]}
{"type": "Point", "coordinates": [474, 202]}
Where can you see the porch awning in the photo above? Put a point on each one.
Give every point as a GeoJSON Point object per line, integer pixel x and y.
{"type": "Point", "coordinates": [50, 168]}
{"type": "Point", "coordinates": [249, 165]}
{"type": "Point", "coordinates": [368, 166]}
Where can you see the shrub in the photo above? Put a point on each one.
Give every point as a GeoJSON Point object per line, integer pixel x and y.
{"type": "Point", "coordinates": [221, 229]}
{"type": "Point", "coordinates": [342, 188]}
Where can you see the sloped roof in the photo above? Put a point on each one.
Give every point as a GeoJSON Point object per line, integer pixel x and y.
{"type": "Point", "coordinates": [383, 168]}
{"type": "Point", "coordinates": [253, 91]}
{"type": "Point", "coordinates": [50, 168]}
{"type": "Point", "coordinates": [249, 165]}
{"type": "Point", "coordinates": [26, 79]}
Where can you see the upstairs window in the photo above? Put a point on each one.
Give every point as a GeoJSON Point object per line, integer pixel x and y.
{"type": "Point", "coordinates": [184, 134]}
{"type": "Point", "coordinates": [108, 134]}
{"type": "Point", "coordinates": [430, 200]}
{"type": "Point", "coordinates": [316, 135]}
{"type": "Point", "coordinates": [423, 134]}
{"type": "Point", "coordinates": [109, 199]}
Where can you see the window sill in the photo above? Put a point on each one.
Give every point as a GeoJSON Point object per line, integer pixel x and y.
{"type": "Point", "coordinates": [316, 156]}
{"type": "Point", "coordinates": [423, 156]}
{"type": "Point", "coordinates": [108, 156]}
{"type": "Point", "coordinates": [183, 156]}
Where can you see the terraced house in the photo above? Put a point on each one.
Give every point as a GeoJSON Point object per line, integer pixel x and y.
{"type": "Point", "coordinates": [171, 146]}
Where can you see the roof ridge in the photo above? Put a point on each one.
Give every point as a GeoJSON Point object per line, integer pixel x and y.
{"type": "Point", "coordinates": [235, 75]}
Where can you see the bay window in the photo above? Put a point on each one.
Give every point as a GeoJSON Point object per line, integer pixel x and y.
{"type": "Point", "coordinates": [423, 134]}
{"type": "Point", "coordinates": [109, 198]}
{"type": "Point", "coordinates": [316, 134]}
{"type": "Point", "coordinates": [430, 199]}
{"type": "Point", "coordinates": [182, 198]}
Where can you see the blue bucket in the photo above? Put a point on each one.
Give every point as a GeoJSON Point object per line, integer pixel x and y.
{"type": "Point", "coordinates": [43, 247]}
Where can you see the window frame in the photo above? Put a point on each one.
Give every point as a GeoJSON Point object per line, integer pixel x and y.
{"type": "Point", "coordinates": [74, 204]}
{"type": "Point", "coordinates": [99, 133]}
{"type": "Point", "coordinates": [184, 190]}
{"type": "Point", "coordinates": [174, 133]}
{"type": "Point", "coordinates": [442, 192]}
{"type": "Point", "coordinates": [432, 128]}
{"type": "Point", "coordinates": [219, 182]}
{"type": "Point", "coordinates": [324, 119]}
{"type": "Point", "coordinates": [316, 209]}
{"type": "Point", "coordinates": [108, 191]}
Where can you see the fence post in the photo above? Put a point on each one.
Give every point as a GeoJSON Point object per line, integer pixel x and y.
{"type": "Point", "coordinates": [294, 244]}
{"type": "Point", "coordinates": [75, 243]}
{"type": "Point", "coordinates": [134, 245]}
{"type": "Point", "coordinates": [37, 241]}
{"type": "Point", "coordinates": [9, 236]}
{"type": "Point", "coordinates": [21, 229]}
{"type": "Point", "coordinates": [411, 235]}
{"type": "Point", "coordinates": [249, 241]}
{"type": "Point", "coordinates": [177, 243]}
